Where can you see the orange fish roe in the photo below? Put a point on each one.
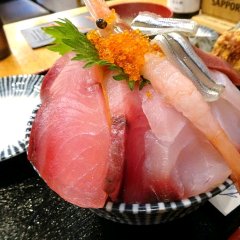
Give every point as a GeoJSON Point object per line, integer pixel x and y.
{"type": "Point", "coordinates": [149, 95]}
{"type": "Point", "coordinates": [110, 19]}
{"type": "Point", "coordinates": [125, 50]}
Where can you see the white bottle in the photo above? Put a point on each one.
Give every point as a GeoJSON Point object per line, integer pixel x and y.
{"type": "Point", "coordinates": [184, 8]}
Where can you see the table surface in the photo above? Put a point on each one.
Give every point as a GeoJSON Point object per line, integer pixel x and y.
{"type": "Point", "coordinates": [24, 59]}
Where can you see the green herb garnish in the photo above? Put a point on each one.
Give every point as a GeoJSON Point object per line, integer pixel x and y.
{"type": "Point", "coordinates": [69, 39]}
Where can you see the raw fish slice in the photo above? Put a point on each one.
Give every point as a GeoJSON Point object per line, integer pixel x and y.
{"type": "Point", "coordinates": [216, 63]}
{"type": "Point", "coordinates": [200, 167]}
{"type": "Point", "coordinates": [116, 157]}
{"type": "Point", "coordinates": [52, 74]}
{"type": "Point", "coordinates": [180, 92]}
{"type": "Point", "coordinates": [123, 101]}
{"type": "Point", "coordinates": [227, 108]}
{"type": "Point", "coordinates": [161, 178]}
{"type": "Point", "coordinates": [134, 190]}
{"type": "Point", "coordinates": [161, 153]}
{"type": "Point", "coordinates": [120, 98]}
{"type": "Point", "coordinates": [114, 97]}
{"type": "Point", "coordinates": [173, 147]}
{"type": "Point", "coordinates": [165, 122]}
{"type": "Point", "coordinates": [68, 79]}
{"type": "Point", "coordinates": [70, 138]}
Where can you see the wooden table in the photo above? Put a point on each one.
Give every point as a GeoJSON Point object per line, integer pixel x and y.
{"type": "Point", "coordinates": [24, 59]}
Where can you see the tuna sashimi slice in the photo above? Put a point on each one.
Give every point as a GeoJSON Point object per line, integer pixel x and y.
{"type": "Point", "coordinates": [114, 97]}
{"type": "Point", "coordinates": [70, 139]}
{"type": "Point", "coordinates": [116, 158]}
{"type": "Point", "coordinates": [52, 74]}
{"type": "Point", "coordinates": [134, 190]}
{"type": "Point", "coordinates": [124, 102]}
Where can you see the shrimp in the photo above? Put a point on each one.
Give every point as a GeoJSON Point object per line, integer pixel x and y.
{"type": "Point", "coordinates": [97, 8]}
{"type": "Point", "coordinates": [181, 93]}
{"type": "Point", "coordinates": [100, 12]}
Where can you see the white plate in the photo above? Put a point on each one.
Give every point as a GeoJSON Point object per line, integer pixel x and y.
{"type": "Point", "coordinates": [19, 95]}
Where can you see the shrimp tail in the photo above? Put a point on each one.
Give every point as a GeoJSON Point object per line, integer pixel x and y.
{"type": "Point", "coordinates": [230, 154]}
{"type": "Point", "coordinates": [97, 8]}
{"type": "Point", "coordinates": [236, 180]}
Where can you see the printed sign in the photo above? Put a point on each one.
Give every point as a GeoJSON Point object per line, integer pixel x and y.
{"type": "Point", "coordinates": [227, 200]}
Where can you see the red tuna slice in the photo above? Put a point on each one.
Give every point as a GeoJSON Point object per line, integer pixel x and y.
{"type": "Point", "coordinates": [216, 63]}
{"type": "Point", "coordinates": [179, 161]}
{"type": "Point", "coordinates": [123, 101]}
{"type": "Point", "coordinates": [70, 138]}
{"type": "Point", "coordinates": [134, 190]}
{"type": "Point", "coordinates": [114, 94]}
{"type": "Point", "coordinates": [52, 74]}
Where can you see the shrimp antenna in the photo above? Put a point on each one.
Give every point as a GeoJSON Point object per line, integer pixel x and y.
{"type": "Point", "coordinates": [97, 8]}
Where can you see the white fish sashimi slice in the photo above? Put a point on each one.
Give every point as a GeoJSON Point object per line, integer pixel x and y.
{"type": "Point", "coordinates": [227, 108]}
{"type": "Point", "coordinates": [153, 105]}
{"type": "Point", "coordinates": [181, 93]}
{"type": "Point", "coordinates": [166, 124]}
{"type": "Point", "coordinates": [159, 172]}
{"type": "Point", "coordinates": [199, 165]}
{"type": "Point", "coordinates": [175, 150]}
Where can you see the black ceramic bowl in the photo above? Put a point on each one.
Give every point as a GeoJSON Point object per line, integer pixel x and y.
{"type": "Point", "coordinates": [155, 213]}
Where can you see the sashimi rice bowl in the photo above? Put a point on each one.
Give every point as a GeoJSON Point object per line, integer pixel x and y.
{"type": "Point", "coordinates": [135, 123]}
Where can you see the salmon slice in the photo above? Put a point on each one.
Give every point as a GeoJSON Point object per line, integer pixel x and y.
{"type": "Point", "coordinates": [70, 138]}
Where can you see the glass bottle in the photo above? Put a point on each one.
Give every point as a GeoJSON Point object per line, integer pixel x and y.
{"type": "Point", "coordinates": [184, 8]}
{"type": "Point", "coordinates": [4, 47]}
